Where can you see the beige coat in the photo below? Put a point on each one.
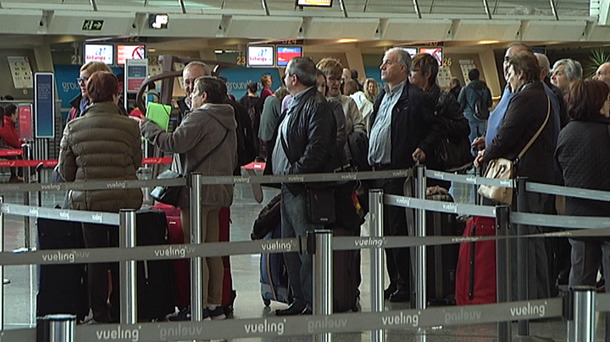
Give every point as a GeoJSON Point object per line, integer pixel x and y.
{"type": "Point", "coordinates": [102, 144]}
{"type": "Point", "coordinates": [199, 132]}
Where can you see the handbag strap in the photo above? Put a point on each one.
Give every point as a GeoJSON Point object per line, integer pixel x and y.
{"type": "Point", "coordinates": [548, 114]}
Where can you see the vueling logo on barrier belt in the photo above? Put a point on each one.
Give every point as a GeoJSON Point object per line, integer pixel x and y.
{"type": "Point", "coordinates": [265, 327]}
{"type": "Point", "coordinates": [56, 187]}
{"type": "Point", "coordinates": [171, 251]}
{"type": "Point", "coordinates": [401, 319]}
{"type": "Point", "coordinates": [529, 309]}
{"type": "Point", "coordinates": [277, 246]}
{"type": "Point", "coordinates": [116, 185]}
{"type": "Point", "coordinates": [370, 242]}
{"type": "Point", "coordinates": [118, 334]}
{"type": "Point", "coordinates": [71, 256]}
{"type": "Point", "coordinates": [323, 324]}
{"type": "Point", "coordinates": [180, 332]}
{"type": "Point", "coordinates": [462, 316]}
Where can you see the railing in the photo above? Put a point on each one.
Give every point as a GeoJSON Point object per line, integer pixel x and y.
{"type": "Point", "coordinates": [577, 307]}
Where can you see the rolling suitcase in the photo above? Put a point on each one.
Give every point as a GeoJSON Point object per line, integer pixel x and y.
{"type": "Point", "coordinates": [476, 269]}
{"type": "Point", "coordinates": [274, 275]}
{"type": "Point", "coordinates": [62, 289]}
{"type": "Point", "coordinates": [155, 278]}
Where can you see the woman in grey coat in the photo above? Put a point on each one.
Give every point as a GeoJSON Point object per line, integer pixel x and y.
{"type": "Point", "coordinates": [208, 131]}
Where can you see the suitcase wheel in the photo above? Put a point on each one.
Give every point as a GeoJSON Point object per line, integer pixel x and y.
{"type": "Point", "coordinates": [267, 302]}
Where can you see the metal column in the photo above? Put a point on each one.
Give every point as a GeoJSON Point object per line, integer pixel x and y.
{"type": "Point", "coordinates": [420, 231]}
{"type": "Point", "coordinates": [1, 267]}
{"type": "Point", "coordinates": [196, 238]}
{"type": "Point", "coordinates": [503, 268]}
{"type": "Point", "coordinates": [127, 239]}
{"type": "Point", "coordinates": [377, 258]}
{"type": "Point", "coordinates": [581, 328]}
{"type": "Point", "coordinates": [323, 279]}
{"type": "Point", "coordinates": [522, 255]}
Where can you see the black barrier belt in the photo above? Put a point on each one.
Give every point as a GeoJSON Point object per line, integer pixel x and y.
{"type": "Point", "coordinates": [273, 326]}
{"type": "Point", "coordinates": [151, 183]}
{"type": "Point", "coordinates": [568, 192]}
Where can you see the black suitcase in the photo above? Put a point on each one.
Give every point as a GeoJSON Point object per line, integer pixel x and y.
{"type": "Point", "coordinates": [346, 275]}
{"type": "Point", "coordinates": [155, 277]}
{"type": "Point", "coordinates": [62, 289]}
{"type": "Point", "coordinates": [441, 259]}
{"type": "Point", "coordinates": [274, 276]}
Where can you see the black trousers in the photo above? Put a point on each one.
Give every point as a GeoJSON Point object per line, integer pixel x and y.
{"type": "Point", "coordinates": [104, 301]}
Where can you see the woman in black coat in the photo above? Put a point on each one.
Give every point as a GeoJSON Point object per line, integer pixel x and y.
{"type": "Point", "coordinates": [526, 113]}
{"type": "Point", "coordinates": [583, 155]}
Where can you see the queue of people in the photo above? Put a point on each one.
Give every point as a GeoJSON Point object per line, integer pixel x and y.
{"type": "Point", "coordinates": [405, 124]}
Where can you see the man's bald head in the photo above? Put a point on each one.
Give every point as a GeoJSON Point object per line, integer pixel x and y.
{"type": "Point", "coordinates": [603, 73]}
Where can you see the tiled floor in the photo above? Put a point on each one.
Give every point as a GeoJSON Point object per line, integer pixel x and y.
{"type": "Point", "coordinates": [20, 292]}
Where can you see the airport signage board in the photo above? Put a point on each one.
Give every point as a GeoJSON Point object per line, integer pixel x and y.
{"type": "Point", "coordinates": [136, 71]}
{"type": "Point", "coordinates": [44, 104]}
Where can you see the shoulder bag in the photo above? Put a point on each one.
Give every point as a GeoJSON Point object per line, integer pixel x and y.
{"type": "Point", "coordinates": [171, 194]}
{"type": "Point", "coordinates": [502, 168]}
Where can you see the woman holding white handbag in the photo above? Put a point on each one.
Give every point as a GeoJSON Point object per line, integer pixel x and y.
{"type": "Point", "coordinates": [525, 144]}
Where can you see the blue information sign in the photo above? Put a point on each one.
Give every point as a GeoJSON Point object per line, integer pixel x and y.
{"type": "Point", "coordinates": [44, 105]}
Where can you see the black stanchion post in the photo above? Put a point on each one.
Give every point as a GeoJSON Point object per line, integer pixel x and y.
{"type": "Point", "coordinates": [522, 254]}
{"type": "Point", "coordinates": [503, 267]}
{"type": "Point", "coordinates": [55, 328]}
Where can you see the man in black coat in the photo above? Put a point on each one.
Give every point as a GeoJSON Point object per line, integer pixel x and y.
{"type": "Point", "coordinates": [303, 144]}
{"type": "Point", "coordinates": [403, 131]}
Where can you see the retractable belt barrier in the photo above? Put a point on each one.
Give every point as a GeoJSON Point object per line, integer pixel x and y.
{"type": "Point", "coordinates": [10, 153]}
{"type": "Point", "coordinates": [316, 324]}
{"type": "Point", "coordinates": [53, 162]}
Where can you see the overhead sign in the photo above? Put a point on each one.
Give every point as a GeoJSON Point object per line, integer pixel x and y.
{"type": "Point", "coordinates": [99, 53]}
{"type": "Point", "coordinates": [44, 105]}
{"type": "Point", "coordinates": [129, 52]}
{"type": "Point", "coordinates": [92, 25]}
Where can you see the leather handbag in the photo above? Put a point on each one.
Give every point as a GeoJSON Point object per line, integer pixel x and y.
{"type": "Point", "coordinates": [171, 194]}
{"type": "Point", "coordinates": [502, 168]}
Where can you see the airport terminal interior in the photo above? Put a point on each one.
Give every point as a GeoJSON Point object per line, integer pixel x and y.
{"type": "Point", "coordinates": [242, 40]}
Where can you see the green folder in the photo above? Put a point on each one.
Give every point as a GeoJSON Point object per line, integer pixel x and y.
{"type": "Point", "coordinates": [159, 114]}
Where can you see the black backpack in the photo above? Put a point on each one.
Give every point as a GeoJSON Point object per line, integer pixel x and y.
{"type": "Point", "coordinates": [480, 110]}
{"type": "Point", "coordinates": [246, 146]}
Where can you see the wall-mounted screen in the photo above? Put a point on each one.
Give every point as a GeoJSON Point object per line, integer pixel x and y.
{"type": "Point", "coordinates": [131, 51]}
{"type": "Point", "coordinates": [436, 52]}
{"type": "Point", "coordinates": [99, 53]}
{"type": "Point", "coordinates": [315, 3]}
{"type": "Point", "coordinates": [260, 56]}
{"type": "Point", "coordinates": [411, 51]}
{"type": "Point", "coordinates": [285, 53]}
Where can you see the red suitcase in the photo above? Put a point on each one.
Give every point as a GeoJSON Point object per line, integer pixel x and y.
{"type": "Point", "coordinates": [182, 295]}
{"type": "Point", "coordinates": [476, 268]}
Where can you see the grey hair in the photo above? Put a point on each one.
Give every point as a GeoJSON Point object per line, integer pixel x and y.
{"type": "Point", "coordinates": [573, 69]}
{"type": "Point", "coordinates": [203, 66]}
{"type": "Point", "coordinates": [305, 69]}
{"type": "Point", "coordinates": [403, 56]}
{"type": "Point", "coordinates": [543, 61]}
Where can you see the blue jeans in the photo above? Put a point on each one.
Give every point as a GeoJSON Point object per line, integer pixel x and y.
{"type": "Point", "coordinates": [477, 129]}
{"type": "Point", "coordinates": [296, 224]}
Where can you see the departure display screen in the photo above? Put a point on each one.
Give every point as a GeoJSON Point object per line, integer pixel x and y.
{"type": "Point", "coordinates": [99, 53]}
{"type": "Point", "coordinates": [129, 52]}
{"type": "Point", "coordinates": [285, 53]}
{"type": "Point", "coordinates": [260, 56]}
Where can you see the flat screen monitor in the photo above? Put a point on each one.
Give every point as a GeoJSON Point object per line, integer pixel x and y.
{"type": "Point", "coordinates": [129, 51]}
{"type": "Point", "coordinates": [436, 52]}
{"type": "Point", "coordinates": [315, 3]}
{"type": "Point", "coordinates": [285, 53]}
{"type": "Point", "coordinates": [99, 53]}
{"type": "Point", "coordinates": [260, 56]}
{"type": "Point", "coordinates": [411, 51]}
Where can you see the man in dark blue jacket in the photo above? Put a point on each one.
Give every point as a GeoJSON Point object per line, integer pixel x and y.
{"type": "Point", "coordinates": [403, 131]}
{"type": "Point", "coordinates": [303, 144]}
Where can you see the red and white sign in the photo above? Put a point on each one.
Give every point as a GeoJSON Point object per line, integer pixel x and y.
{"type": "Point", "coordinates": [26, 130]}
{"type": "Point", "coordinates": [130, 52]}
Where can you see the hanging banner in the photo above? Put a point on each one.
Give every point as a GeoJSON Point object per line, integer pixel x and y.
{"type": "Point", "coordinates": [44, 105]}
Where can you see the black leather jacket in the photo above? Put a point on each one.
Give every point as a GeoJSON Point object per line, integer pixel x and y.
{"type": "Point", "coordinates": [414, 125]}
{"type": "Point", "coordinates": [311, 141]}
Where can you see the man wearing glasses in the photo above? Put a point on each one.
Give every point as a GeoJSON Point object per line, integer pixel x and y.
{"type": "Point", "coordinates": [81, 101]}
